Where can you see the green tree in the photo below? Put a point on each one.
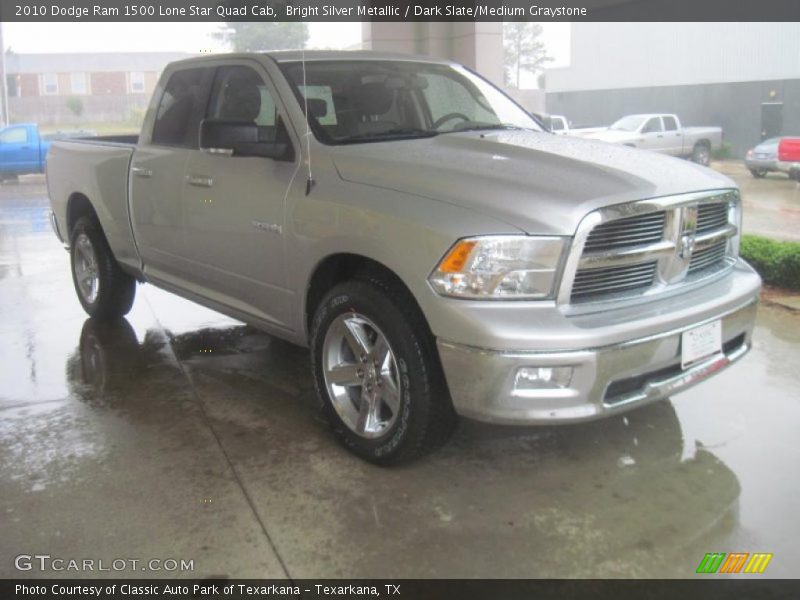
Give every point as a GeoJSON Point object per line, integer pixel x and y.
{"type": "Point", "coordinates": [522, 50]}
{"type": "Point", "coordinates": [262, 37]}
{"type": "Point", "coordinates": [75, 106]}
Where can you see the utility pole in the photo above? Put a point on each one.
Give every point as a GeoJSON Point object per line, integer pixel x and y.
{"type": "Point", "coordinates": [3, 82]}
{"type": "Point", "coordinates": [4, 119]}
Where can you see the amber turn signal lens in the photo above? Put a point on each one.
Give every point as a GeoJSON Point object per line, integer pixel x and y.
{"type": "Point", "coordinates": [457, 257]}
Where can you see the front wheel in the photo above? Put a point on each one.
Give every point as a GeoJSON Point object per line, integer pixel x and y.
{"type": "Point", "coordinates": [105, 291]}
{"type": "Point", "coordinates": [701, 154]}
{"type": "Point", "coordinates": [377, 373]}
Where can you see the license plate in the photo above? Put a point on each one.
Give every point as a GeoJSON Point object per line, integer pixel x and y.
{"type": "Point", "coordinates": [701, 343]}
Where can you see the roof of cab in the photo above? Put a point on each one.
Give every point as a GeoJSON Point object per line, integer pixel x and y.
{"type": "Point", "coordinates": [283, 56]}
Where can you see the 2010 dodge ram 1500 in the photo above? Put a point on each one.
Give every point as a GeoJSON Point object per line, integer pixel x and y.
{"type": "Point", "coordinates": [437, 250]}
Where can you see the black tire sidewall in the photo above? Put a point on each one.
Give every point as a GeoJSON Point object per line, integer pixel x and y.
{"type": "Point", "coordinates": [412, 362]}
{"type": "Point", "coordinates": [701, 150]}
{"type": "Point", "coordinates": [112, 300]}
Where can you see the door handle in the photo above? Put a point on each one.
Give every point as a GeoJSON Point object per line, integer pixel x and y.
{"type": "Point", "coordinates": [200, 181]}
{"type": "Point", "coordinates": [659, 135]}
{"type": "Point", "coordinates": [142, 172]}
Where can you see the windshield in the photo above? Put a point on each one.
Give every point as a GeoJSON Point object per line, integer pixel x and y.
{"type": "Point", "coordinates": [369, 101]}
{"type": "Point", "coordinates": [630, 123]}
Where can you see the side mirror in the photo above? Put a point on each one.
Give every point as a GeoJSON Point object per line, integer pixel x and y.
{"type": "Point", "coordinates": [240, 138]}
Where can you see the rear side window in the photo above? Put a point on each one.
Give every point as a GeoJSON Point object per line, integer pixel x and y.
{"type": "Point", "coordinates": [670, 124]}
{"type": "Point", "coordinates": [181, 108]}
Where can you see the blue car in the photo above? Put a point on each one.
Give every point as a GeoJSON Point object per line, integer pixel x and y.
{"type": "Point", "coordinates": [23, 150]}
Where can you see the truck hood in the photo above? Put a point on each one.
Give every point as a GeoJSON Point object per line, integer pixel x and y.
{"type": "Point", "coordinates": [538, 182]}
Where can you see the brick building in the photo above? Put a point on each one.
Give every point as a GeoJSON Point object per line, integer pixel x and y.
{"type": "Point", "coordinates": [113, 86]}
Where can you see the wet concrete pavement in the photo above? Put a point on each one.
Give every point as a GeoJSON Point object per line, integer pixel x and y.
{"type": "Point", "coordinates": [771, 204]}
{"type": "Point", "coordinates": [182, 434]}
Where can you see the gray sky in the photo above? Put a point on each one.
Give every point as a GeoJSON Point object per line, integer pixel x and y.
{"type": "Point", "coordinates": [196, 37]}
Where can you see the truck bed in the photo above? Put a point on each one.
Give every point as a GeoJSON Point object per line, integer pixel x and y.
{"type": "Point", "coordinates": [96, 168]}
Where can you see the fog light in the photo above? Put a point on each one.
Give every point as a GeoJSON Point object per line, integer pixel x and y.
{"type": "Point", "coordinates": [542, 378]}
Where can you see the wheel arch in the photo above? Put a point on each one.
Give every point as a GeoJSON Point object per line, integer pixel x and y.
{"type": "Point", "coordinates": [345, 266]}
{"type": "Point", "coordinates": [79, 205]}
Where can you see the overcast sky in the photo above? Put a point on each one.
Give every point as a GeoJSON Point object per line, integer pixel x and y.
{"type": "Point", "coordinates": [194, 37]}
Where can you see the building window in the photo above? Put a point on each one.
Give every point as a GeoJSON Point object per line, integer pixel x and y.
{"type": "Point", "coordinates": [137, 82]}
{"type": "Point", "coordinates": [77, 82]}
{"type": "Point", "coordinates": [50, 83]}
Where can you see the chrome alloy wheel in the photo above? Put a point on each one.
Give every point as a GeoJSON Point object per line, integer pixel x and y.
{"type": "Point", "coordinates": [361, 375]}
{"type": "Point", "coordinates": [85, 266]}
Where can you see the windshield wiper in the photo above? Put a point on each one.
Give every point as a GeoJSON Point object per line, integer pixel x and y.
{"type": "Point", "coordinates": [390, 134]}
{"type": "Point", "coordinates": [489, 127]}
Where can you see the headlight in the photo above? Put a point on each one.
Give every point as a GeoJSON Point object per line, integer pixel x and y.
{"type": "Point", "coordinates": [500, 267]}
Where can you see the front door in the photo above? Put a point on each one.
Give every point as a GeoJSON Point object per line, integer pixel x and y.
{"type": "Point", "coordinates": [18, 153]}
{"type": "Point", "coordinates": [653, 135]}
{"type": "Point", "coordinates": [234, 206]}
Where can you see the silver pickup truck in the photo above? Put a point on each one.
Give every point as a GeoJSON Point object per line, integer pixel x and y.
{"type": "Point", "coordinates": [660, 133]}
{"type": "Point", "coordinates": [439, 253]}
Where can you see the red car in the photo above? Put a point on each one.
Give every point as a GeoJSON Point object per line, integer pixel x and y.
{"type": "Point", "coordinates": [789, 157]}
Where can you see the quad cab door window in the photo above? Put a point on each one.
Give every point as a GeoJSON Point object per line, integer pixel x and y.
{"type": "Point", "coordinates": [235, 187]}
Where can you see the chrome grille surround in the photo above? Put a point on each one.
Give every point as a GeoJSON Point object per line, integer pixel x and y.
{"type": "Point", "coordinates": [699, 242]}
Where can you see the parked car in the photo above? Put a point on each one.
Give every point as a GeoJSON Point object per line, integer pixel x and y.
{"type": "Point", "coordinates": [663, 133]}
{"type": "Point", "coordinates": [23, 149]}
{"type": "Point", "coordinates": [789, 157]}
{"type": "Point", "coordinates": [437, 250]}
{"type": "Point", "coordinates": [559, 125]}
{"type": "Point", "coordinates": [763, 158]}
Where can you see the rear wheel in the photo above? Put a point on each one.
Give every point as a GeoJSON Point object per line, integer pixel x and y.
{"type": "Point", "coordinates": [377, 373]}
{"type": "Point", "coordinates": [701, 154]}
{"type": "Point", "coordinates": [758, 173]}
{"type": "Point", "coordinates": [104, 290]}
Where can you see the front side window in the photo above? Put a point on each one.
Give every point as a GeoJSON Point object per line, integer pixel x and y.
{"type": "Point", "coordinates": [354, 101]}
{"type": "Point", "coordinates": [240, 94]}
{"type": "Point", "coordinates": [15, 135]}
{"type": "Point", "coordinates": [653, 125]}
{"type": "Point", "coordinates": [181, 108]}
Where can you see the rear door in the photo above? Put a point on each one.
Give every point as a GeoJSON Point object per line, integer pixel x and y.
{"type": "Point", "coordinates": [18, 152]}
{"type": "Point", "coordinates": [158, 169]}
{"type": "Point", "coordinates": [234, 206]}
{"type": "Point", "coordinates": [673, 138]}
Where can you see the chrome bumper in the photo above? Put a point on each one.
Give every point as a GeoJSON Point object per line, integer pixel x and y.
{"type": "Point", "coordinates": [606, 380]}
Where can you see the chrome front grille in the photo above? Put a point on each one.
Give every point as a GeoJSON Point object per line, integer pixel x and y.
{"type": "Point", "coordinates": [652, 246]}
{"type": "Point", "coordinates": [591, 282]}
{"type": "Point", "coordinates": [626, 233]}
{"type": "Point", "coordinates": [712, 216]}
{"type": "Point", "coordinates": [707, 257]}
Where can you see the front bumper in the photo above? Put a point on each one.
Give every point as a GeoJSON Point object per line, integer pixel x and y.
{"type": "Point", "coordinates": [761, 163]}
{"type": "Point", "coordinates": [607, 379]}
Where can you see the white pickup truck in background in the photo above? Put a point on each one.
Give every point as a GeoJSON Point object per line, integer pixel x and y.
{"type": "Point", "coordinates": [661, 133]}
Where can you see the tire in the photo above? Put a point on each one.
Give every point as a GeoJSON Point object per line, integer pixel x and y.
{"type": "Point", "coordinates": [391, 404]}
{"type": "Point", "coordinates": [104, 290]}
{"type": "Point", "coordinates": [758, 173]}
{"type": "Point", "coordinates": [701, 154]}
